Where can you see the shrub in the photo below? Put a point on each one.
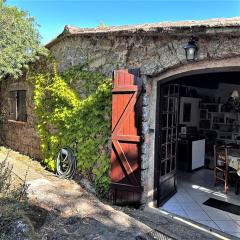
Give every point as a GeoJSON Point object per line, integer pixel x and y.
{"type": "Point", "coordinates": [7, 190]}
{"type": "Point", "coordinates": [13, 203]}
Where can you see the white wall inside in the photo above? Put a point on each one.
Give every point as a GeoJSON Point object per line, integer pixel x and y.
{"type": "Point", "coordinates": [195, 113]}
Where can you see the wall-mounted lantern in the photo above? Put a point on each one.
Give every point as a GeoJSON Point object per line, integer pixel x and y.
{"type": "Point", "coordinates": [191, 49]}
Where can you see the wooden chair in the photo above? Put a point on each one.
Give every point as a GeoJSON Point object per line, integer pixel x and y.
{"type": "Point", "coordinates": [222, 171]}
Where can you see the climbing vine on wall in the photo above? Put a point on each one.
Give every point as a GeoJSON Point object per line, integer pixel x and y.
{"type": "Point", "coordinates": [76, 107]}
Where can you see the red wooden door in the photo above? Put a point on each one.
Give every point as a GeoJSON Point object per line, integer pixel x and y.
{"type": "Point", "coordinates": [126, 137]}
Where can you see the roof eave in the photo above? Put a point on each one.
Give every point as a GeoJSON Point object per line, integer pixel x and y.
{"type": "Point", "coordinates": [185, 28]}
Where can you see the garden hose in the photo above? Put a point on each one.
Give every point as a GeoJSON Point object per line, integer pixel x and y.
{"type": "Point", "coordinates": [65, 163]}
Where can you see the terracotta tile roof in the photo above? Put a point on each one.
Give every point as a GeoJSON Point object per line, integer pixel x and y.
{"type": "Point", "coordinates": [145, 28]}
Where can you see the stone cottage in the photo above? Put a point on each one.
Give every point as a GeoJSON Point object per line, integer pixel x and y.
{"type": "Point", "coordinates": [157, 51]}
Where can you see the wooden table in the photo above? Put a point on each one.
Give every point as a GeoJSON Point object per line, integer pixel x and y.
{"type": "Point", "coordinates": [234, 158]}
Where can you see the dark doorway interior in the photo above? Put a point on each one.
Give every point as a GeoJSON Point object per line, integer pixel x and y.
{"type": "Point", "coordinates": [193, 113]}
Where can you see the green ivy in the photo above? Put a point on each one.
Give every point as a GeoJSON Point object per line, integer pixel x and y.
{"type": "Point", "coordinates": [64, 117]}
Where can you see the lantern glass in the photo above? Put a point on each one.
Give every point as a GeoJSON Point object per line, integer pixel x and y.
{"type": "Point", "coordinates": [191, 50]}
{"type": "Point", "coordinates": [190, 54]}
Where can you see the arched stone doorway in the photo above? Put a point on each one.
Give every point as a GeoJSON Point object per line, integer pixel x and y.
{"type": "Point", "coordinates": [149, 159]}
{"type": "Point", "coordinates": [223, 76]}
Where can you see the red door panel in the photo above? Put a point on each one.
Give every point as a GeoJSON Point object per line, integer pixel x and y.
{"type": "Point", "coordinates": [126, 141]}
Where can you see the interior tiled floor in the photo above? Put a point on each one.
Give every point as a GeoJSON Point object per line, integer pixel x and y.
{"type": "Point", "coordinates": [195, 188]}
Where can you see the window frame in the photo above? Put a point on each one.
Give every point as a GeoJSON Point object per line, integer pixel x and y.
{"type": "Point", "coordinates": [17, 106]}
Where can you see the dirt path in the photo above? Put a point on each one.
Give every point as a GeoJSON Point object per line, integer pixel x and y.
{"type": "Point", "coordinates": [73, 213]}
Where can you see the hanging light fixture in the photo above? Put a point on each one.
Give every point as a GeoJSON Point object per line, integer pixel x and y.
{"type": "Point", "coordinates": [191, 49]}
{"type": "Point", "coordinates": [238, 170]}
{"type": "Point", "coordinates": [235, 94]}
{"type": "Point", "coordinates": [233, 102]}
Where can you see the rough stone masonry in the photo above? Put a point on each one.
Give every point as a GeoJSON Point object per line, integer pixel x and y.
{"type": "Point", "coordinates": [157, 50]}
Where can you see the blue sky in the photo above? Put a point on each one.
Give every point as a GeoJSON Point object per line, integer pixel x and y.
{"type": "Point", "coordinates": [53, 15]}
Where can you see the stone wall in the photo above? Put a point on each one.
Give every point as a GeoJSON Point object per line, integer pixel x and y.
{"type": "Point", "coordinates": [19, 136]}
{"type": "Point", "coordinates": [156, 52]}
{"type": "Point", "coordinates": [152, 53]}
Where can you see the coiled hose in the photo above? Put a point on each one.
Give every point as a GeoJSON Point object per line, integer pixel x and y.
{"type": "Point", "coordinates": [66, 163]}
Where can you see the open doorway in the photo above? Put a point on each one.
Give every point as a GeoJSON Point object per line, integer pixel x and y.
{"type": "Point", "coordinates": [193, 114]}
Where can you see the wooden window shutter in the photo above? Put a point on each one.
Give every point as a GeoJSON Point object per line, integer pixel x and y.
{"type": "Point", "coordinates": [21, 106]}
{"type": "Point", "coordinates": [12, 105]}
{"type": "Point", "coordinates": [17, 105]}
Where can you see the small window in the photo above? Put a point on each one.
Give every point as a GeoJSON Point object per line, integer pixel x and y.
{"type": "Point", "coordinates": [18, 106]}
{"type": "Point", "coordinates": [187, 112]}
